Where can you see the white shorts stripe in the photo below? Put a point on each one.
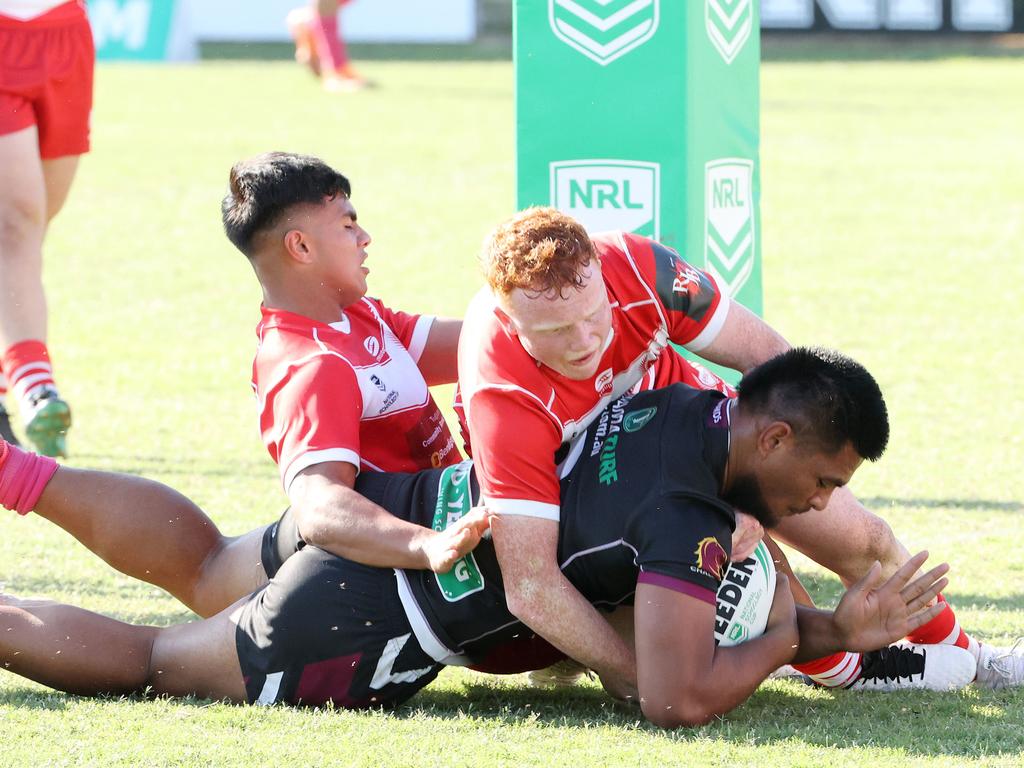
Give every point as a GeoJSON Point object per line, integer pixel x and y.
{"type": "Point", "coordinates": [271, 687]}
{"type": "Point", "coordinates": [429, 642]}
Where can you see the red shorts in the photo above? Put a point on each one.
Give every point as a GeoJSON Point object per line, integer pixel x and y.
{"type": "Point", "coordinates": [46, 70]}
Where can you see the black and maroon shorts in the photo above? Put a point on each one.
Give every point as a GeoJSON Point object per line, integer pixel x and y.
{"type": "Point", "coordinates": [327, 630]}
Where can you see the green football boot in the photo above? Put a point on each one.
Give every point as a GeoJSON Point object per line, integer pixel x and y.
{"type": "Point", "coordinates": [48, 427]}
{"type": "Point", "coordinates": [6, 432]}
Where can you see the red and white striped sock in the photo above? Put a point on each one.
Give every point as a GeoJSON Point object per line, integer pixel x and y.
{"type": "Point", "coordinates": [944, 628]}
{"type": "Point", "coordinates": [3, 388]}
{"type": "Point", "coordinates": [836, 671]}
{"type": "Point", "coordinates": [28, 369]}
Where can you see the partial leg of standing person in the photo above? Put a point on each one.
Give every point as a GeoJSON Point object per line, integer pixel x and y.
{"type": "Point", "coordinates": [44, 128]}
{"type": "Point", "coordinates": [320, 45]}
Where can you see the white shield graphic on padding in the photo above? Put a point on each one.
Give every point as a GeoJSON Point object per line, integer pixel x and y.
{"type": "Point", "coordinates": [728, 23]}
{"type": "Point", "coordinates": [604, 30]}
{"type": "Point", "coordinates": [729, 221]}
{"type": "Point", "coordinates": [609, 194]}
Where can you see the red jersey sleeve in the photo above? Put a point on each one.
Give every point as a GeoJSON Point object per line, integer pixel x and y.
{"type": "Point", "coordinates": [411, 330]}
{"type": "Point", "coordinates": [514, 444]}
{"type": "Point", "coordinates": [312, 416]}
{"type": "Point", "coordinates": [672, 368]}
{"type": "Point", "coordinates": [693, 304]}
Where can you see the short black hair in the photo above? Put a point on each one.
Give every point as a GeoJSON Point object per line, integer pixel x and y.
{"type": "Point", "coordinates": [262, 188]}
{"type": "Point", "coordinates": [823, 394]}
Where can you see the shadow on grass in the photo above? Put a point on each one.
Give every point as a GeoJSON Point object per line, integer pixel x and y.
{"type": "Point", "coordinates": [970, 505]}
{"type": "Point", "coordinates": [779, 712]}
{"type": "Point", "coordinates": [950, 725]}
{"type": "Point", "coordinates": [778, 46]}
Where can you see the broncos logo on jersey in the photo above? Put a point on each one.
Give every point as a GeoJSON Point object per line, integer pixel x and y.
{"type": "Point", "coordinates": [711, 557]}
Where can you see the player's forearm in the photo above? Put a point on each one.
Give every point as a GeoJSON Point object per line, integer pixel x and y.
{"type": "Point", "coordinates": [439, 361]}
{"type": "Point", "coordinates": [744, 341]}
{"type": "Point", "coordinates": [554, 609]}
{"type": "Point", "coordinates": [819, 635]}
{"type": "Point", "coordinates": [745, 667]}
{"type": "Point", "coordinates": [351, 526]}
{"type": "Point", "coordinates": [845, 537]}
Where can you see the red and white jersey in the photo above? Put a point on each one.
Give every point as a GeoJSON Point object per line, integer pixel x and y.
{"type": "Point", "coordinates": [348, 391]}
{"type": "Point", "coordinates": [26, 10]}
{"type": "Point", "coordinates": [518, 412]}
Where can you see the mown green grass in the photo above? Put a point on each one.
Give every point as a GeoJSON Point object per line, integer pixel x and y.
{"type": "Point", "coordinates": [893, 207]}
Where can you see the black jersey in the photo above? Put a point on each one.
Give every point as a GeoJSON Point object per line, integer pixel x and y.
{"type": "Point", "coordinates": [640, 503]}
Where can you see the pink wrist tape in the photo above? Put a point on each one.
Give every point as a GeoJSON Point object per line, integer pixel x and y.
{"type": "Point", "coordinates": [23, 476]}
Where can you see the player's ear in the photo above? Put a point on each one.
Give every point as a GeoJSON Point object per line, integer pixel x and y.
{"type": "Point", "coordinates": [773, 436]}
{"type": "Point", "coordinates": [296, 245]}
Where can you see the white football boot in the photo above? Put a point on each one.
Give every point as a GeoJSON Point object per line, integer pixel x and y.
{"type": "Point", "coordinates": [1001, 667]}
{"type": "Point", "coordinates": [906, 666]}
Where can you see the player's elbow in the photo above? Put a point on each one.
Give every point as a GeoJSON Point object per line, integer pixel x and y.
{"type": "Point", "coordinates": [314, 524]}
{"type": "Point", "coordinates": [677, 712]}
{"type": "Point", "coordinates": [520, 604]}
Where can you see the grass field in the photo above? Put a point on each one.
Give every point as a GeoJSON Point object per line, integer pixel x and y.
{"type": "Point", "coordinates": [892, 217]}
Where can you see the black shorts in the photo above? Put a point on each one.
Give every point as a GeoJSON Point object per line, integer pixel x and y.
{"type": "Point", "coordinates": [327, 630]}
{"type": "Point", "coordinates": [280, 541]}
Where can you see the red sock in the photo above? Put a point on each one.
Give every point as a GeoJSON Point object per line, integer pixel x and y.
{"type": "Point", "coordinates": [330, 49]}
{"type": "Point", "coordinates": [944, 628]}
{"type": "Point", "coordinates": [27, 367]}
{"type": "Point", "coordinates": [23, 476]}
{"type": "Point", "coordinates": [835, 671]}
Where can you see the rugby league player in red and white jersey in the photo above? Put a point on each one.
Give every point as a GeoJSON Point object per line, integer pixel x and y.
{"type": "Point", "coordinates": [341, 382]}
{"type": "Point", "coordinates": [568, 322]}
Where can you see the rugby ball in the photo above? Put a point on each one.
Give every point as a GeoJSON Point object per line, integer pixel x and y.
{"type": "Point", "coordinates": [745, 598]}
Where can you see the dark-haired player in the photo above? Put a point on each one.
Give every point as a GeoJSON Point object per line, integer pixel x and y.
{"type": "Point", "coordinates": [341, 382]}
{"type": "Point", "coordinates": [647, 521]}
{"type": "Point", "coordinates": [568, 322]}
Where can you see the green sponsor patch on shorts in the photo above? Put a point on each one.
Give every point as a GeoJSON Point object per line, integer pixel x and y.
{"type": "Point", "coordinates": [454, 500]}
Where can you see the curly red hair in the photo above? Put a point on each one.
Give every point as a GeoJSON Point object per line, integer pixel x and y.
{"type": "Point", "coordinates": [540, 250]}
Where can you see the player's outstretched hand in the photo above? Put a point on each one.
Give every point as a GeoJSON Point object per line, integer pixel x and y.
{"type": "Point", "coordinates": [445, 547]}
{"type": "Point", "coordinates": [871, 615]}
{"type": "Point", "coordinates": [745, 537]}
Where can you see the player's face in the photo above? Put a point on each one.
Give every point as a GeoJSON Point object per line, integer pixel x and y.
{"type": "Point", "coordinates": [339, 246]}
{"type": "Point", "coordinates": [796, 478]}
{"type": "Point", "coordinates": [567, 332]}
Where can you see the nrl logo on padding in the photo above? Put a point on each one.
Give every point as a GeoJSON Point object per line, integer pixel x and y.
{"type": "Point", "coordinates": [605, 194]}
{"type": "Point", "coordinates": [603, 30]}
{"type": "Point", "coordinates": [728, 24]}
{"type": "Point", "coordinates": [729, 221]}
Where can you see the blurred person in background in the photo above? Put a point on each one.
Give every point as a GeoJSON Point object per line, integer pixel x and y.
{"type": "Point", "coordinates": [46, 80]}
{"type": "Point", "coordinates": [320, 46]}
